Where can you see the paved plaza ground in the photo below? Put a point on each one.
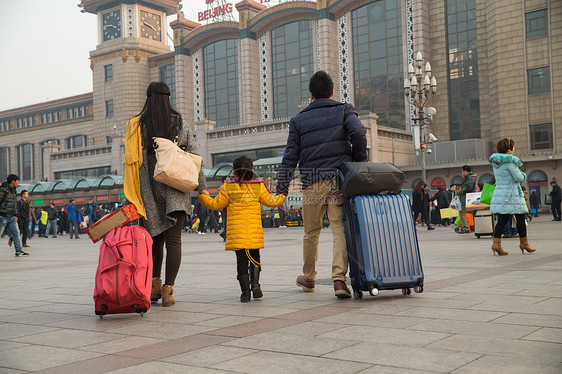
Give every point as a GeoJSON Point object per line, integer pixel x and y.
{"type": "Point", "coordinates": [478, 313]}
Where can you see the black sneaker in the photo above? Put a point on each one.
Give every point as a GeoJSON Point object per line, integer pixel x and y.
{"type": "Point", "coordinates": [22, 254]}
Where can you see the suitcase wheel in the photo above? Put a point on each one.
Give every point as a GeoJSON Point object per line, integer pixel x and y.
{"type": "Point", "coordinates": [406, 291]}
{"type": "Point", "coordinates": [357, 294]}
{"type": "Point", "coordinates": [142, 311]}
{"type": "Point", "coordinates": [374, 292]}
{"type": "Point", "coordinates": [418, 289]}
{"type": "Point", "coordinates": [478, 236]}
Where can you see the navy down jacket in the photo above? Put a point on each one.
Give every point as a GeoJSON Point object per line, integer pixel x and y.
{"type": "Point", "coordinates": [321, 137]}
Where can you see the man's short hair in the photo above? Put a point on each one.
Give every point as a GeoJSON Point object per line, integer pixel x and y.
{"type": "Point", "coordinates": [72, 200]}
{"type": "Point", "coordinates": [552, 182]}
{"type": "Point", "coordinates": [11, 178]}
{"type": "Point", "coordinates": [466, 168]}
{"type": "Point", "coordinates": [22, 192]}
{"type": "Point", "coordinates": [321, 85]}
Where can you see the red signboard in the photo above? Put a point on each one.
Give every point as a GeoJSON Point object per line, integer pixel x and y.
{"type": "Point", "coordinates": [102, 198]}
{"type": "Point", "coordinates": [80, 200]}
{"type": "Point", "coordinates": [59, 201]}
{"type": "Point", "coordinates": [219, 10]}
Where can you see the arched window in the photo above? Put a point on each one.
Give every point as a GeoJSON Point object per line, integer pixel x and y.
{"type": "Point", "coordinates": [377, 62]}
{"type": "Point", "coordinates": [537, 178]}
{"type": "Point", "coordinates": [292, 66]}
{"type": "Point", "coordinates": [457, 180]}
{"type": "Point", "coordinates": [220, 61]}
{"type": "Point", "coordinates": [437, 182]}
{"type": "Point", "coordinates": [486, 178]}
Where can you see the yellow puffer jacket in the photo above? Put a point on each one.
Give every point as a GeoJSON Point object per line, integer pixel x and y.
{"type": "Point", "coordinates": [243, 206]}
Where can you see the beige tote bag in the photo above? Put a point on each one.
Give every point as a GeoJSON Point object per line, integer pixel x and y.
{"type": "Point", "coordinates": [175, 167]}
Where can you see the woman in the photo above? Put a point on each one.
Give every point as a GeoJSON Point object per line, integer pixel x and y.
{"type": "Point", "coordinates": [420, 203]}
{"type": "Point", "coordinates": [163, 208]}
{"type": "Point", "coordinates": [508, 196]}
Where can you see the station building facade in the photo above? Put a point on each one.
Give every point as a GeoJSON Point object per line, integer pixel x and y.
{"type": "Point", "coordinates": [497, 64]}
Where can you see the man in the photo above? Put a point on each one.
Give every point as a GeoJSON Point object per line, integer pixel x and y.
{"type": "Point", "coordinates": [52, 215]}
{"type": "Point", "coordinates": [94, 213]}
{"type": "Point", "coordinates": [442, 203]}
{"type": "Point", "coordinates": [9, 210]}
{"type": "Point", "coordinates": [23, 217]}
{"type": "Point", "coordinates": [74, 219]}
{"type": "Point", "coordinates": [468, 185]}
{"type": "Point", "coordinates": [201, 212]}
{"type": "Point", "coordinates": [321, 137]}
{"type": "Point", "coordinates": [556, 196]}
{"type": "Point", "coordinates": [535, 202]}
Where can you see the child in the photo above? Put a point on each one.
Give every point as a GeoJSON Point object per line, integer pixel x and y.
{"type": "Point", "coordinates": [242, 198]}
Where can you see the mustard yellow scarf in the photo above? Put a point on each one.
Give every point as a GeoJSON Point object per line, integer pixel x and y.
{"type": "Point", "coordinates": [133, 162]}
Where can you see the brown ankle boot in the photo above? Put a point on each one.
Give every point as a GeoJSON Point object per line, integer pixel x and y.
{"type": "Point", "coordinates": [156, 292]}
{"type": "Point", "coordinates": [525, 246]}
{"type": "Point", "coordinates": [167, 299]}
{"type": "Point", "coordinates": [497, 247]}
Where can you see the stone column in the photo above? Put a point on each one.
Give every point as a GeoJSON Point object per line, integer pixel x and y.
{"type": "Point", "coordinates": [248, 63]}
{"type": "Point", "coordinates": [184, 68]}
{"type": "Point", "coordinates": [48, 149]}
{"type": "Point", "coordinates": [370, 123]}
{"type": "Point", "coordinates": [201, 129]}
{"type": "Point", "coordinates": [117, 154]}
{"type": "Point", "coordinates": [327, 45]}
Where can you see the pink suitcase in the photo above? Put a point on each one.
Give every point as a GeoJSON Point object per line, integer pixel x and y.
{"type": "Point", "coordinates": [124, 274]}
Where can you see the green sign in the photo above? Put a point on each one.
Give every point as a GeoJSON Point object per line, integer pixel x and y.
{"type": "Point", "coordinates": [37, 203]}
{"type": "Point", "coordinates": [121, 196]}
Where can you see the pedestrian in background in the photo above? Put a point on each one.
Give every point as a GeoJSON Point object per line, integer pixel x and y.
{"type": "Point", "coordinates": [52, 216]}
{"type": "Point", "coordinates": [9, 211]}
{"type": "Point", "coordinates": [62, 221]}
{"type": "Point", "coordinates": [443, 202]}
{"type": "Point", "coordinates": [23, 217]}
{"type": "Point", "coordinates": [74, 219]}
{"type": "Point", "coordinates": [468, 185]}
{"type": "Point", "coordinates": [243, 199]}
{"type": "Point", "coordinates": [32, 221]}
{"type": "Point", "coordinates": [420, 203]}
{"type": "Point", "coordinates": [163, 208]}
{"type": "Point", "coordinates": [535, 202]}
{"type": "Point", "coordinates": [43, 223]}
{"type": "Point", "coordinates": [556, 196]}
{"type": "Point", "coordinates": [508, 196]}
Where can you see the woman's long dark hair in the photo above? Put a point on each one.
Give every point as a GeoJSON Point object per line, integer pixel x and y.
{"type": "Point", "coordinates": [158, 118]}
{"type": "Point", "coordinates": [419, 188]}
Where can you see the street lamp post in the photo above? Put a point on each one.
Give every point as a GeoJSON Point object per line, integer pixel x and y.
{"type": "Point", "coordinates": [419, 88]}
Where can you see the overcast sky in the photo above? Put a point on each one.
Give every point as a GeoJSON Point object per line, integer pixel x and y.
{"type": "Point", "coordinates": [45, 47]}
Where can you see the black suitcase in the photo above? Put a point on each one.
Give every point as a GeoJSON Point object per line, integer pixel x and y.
{"type": "Point", "coordinates": [369, 178]}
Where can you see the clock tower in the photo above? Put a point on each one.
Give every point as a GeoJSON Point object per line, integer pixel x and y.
{"type": "Point", "coordinates": [129, 32]}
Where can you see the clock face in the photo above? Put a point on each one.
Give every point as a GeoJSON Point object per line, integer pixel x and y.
{"type": "Point", "coordinates": [150, 26]}
{"type": "Point", "coordinates": [112, 25]}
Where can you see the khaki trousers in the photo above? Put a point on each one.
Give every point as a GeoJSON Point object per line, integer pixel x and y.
{"type": "Point", "coordinates": [318, 198]}
{"type": "Point", "coordinates": [465, 226]}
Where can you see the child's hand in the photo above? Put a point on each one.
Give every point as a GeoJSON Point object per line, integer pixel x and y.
{"type": "Point", "coordinates": [204, 192]}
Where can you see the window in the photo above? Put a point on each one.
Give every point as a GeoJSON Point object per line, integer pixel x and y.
{"type": "Point", "coordinates": [76, 141]}
{"type": "Point", "coordinates": [84, 173]}
{"type": "Point", "coordinates": [220, 61]}
{"type": "Point", "coordinates": [168, 76]}
{"type": "Point", "coordinates": [541, 136]}
{"type": "Point", "coordinates": [25, 161]}
{"type": "Point", "coordinates": [4, 163]}
{"type": "Point", "coordinates": [539, 80]}
{"type": "Point", "coordinates": [377, 62]}
{"type": "Point", "coordinates": [4, 126]}
{"type": "Point", "coordinates": [464, 88]}
{"type": "Point", "coordinates": [537, 23]}
{"type": "Point", "coordinates": [108, 72]}
{"type": "Point", "coordinates": [109, 108]}
{"type": "Point", "coordinates": [292, 66]}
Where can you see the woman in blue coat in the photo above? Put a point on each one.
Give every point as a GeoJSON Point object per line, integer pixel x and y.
{"type": "Point", "coordinates": [508, 198]}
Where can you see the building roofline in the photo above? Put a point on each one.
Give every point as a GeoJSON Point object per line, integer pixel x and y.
{"type": "Point", "coordinates": [48, 104]}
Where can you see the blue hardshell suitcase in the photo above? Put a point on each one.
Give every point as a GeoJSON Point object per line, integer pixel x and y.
{"type": "Point", "coordinates": [382, 244]}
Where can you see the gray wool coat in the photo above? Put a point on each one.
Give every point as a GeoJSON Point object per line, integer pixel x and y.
{"type": "Point", "coordinates": [159, 199]}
